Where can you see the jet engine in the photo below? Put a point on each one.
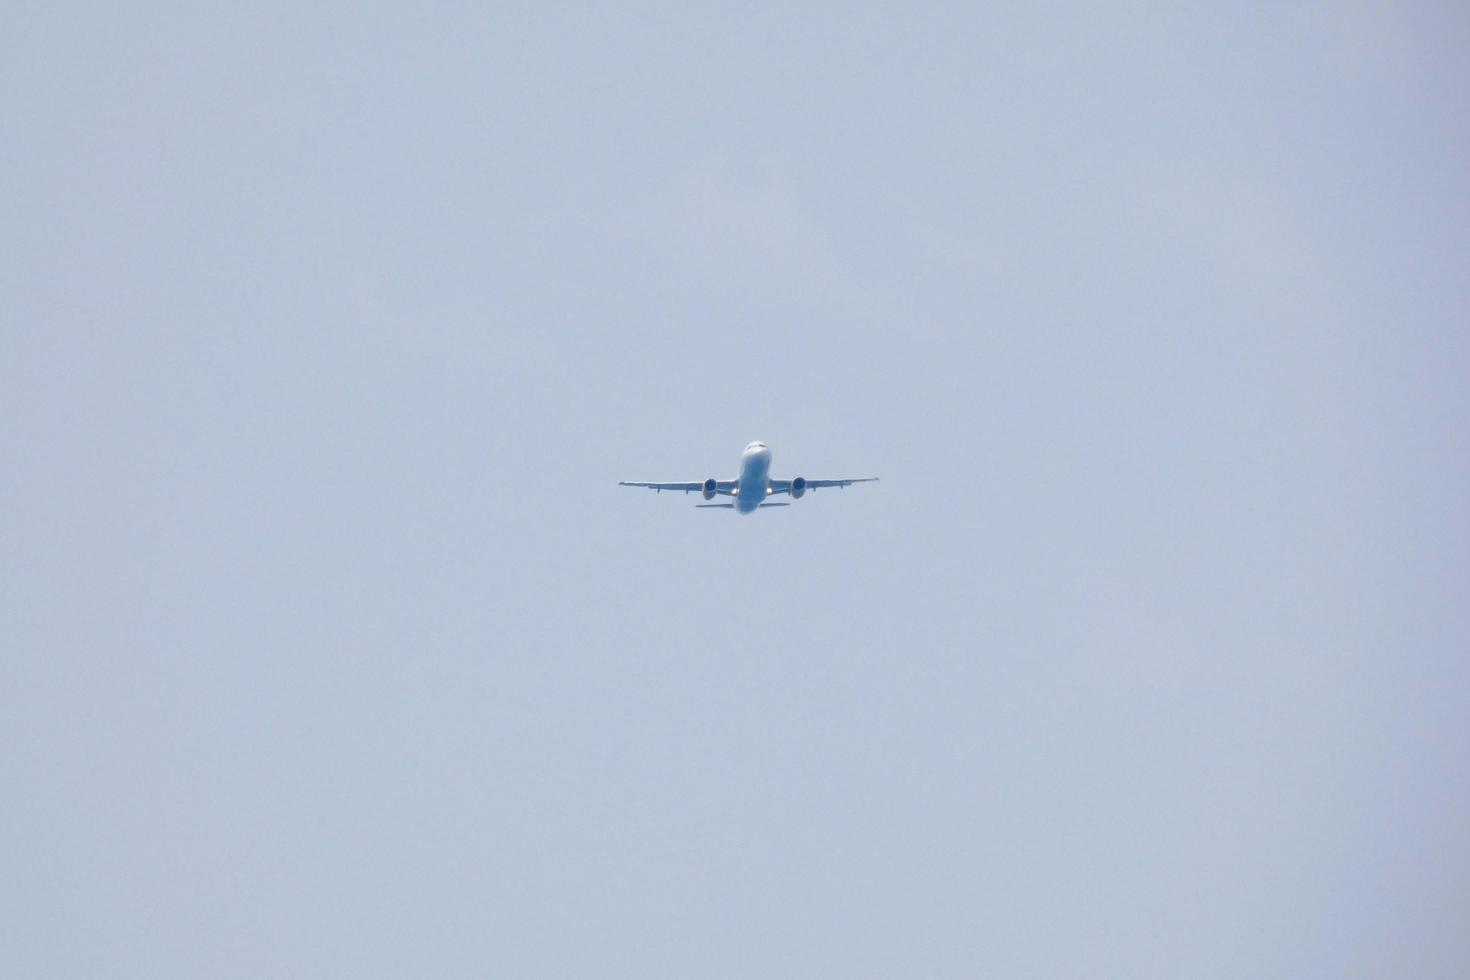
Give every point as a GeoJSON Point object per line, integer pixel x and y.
{"type": "Point", "coordinates": [709, 489]}
{"type": "Point", "coordinates": [798, 487]}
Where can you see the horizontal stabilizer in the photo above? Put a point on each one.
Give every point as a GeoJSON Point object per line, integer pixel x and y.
{"type": "Point", "coordinates": [732, 505]}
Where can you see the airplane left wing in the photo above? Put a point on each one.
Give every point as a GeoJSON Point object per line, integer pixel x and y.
{"type": "Point", "coordinates": [725, 487]}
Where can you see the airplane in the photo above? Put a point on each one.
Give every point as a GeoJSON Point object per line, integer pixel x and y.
{"type": "Point", "coordinates": [754, 485]}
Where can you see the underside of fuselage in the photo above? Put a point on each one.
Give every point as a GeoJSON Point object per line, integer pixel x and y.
{"type": "Point", "coordinates": [755, 478]}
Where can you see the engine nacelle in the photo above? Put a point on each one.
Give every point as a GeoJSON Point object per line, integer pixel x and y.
{"type": "Point", "coordinates": [709, 489]}
{"type": "Point", "coordinates": [798, 487]}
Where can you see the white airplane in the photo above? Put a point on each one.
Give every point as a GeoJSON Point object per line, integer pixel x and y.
{"type": "Point", "coordinates": [753, 486]}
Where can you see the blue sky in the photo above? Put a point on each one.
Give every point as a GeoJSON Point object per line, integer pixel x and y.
{"type": "Point", "coordinates": [332, 647]}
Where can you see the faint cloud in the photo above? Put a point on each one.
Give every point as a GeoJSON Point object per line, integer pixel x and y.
{"type": "Point", "coordinates": [745, 228]}
{"type": "Point", "coordinates": [1358, 39]}
{"type": "Point", "coordinates": [1253, 237]}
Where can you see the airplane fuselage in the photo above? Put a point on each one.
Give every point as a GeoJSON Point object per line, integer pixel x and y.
{"type": "Point", "coordinates": [755, 478]}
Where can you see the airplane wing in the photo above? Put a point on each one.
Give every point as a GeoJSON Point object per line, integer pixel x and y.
{"type": "Point", "coordinates": [784, 486]}
{"type": "Point", "coordinates": [726, 487]}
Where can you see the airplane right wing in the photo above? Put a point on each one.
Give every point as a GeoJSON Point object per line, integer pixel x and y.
{"type": "Point", "coordinates": [784, 486]}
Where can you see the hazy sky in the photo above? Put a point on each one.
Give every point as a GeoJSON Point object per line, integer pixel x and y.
{"type": "Point", "coordinates": [331, 647]}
